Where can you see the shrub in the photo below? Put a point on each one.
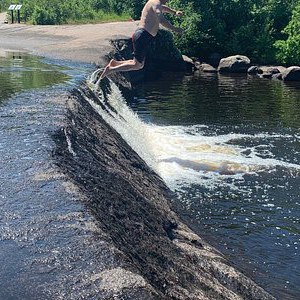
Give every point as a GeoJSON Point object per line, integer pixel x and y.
{"type": "Point", "coordinates": [289, 49]}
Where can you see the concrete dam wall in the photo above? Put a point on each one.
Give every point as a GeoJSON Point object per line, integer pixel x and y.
{"type": "Point", "coordinates": [159, 257]}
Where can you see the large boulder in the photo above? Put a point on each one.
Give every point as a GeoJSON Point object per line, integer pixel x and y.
{"type": "Point", "coordinates": [291, 74]}
{"type": "Point", "coordinates": [234, 64]}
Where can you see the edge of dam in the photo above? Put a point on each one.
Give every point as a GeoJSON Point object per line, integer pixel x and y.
{"type": "Point", "coordinates": [132, 205]}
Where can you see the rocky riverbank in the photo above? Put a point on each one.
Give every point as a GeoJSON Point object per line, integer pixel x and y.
{"type": "Point", "coordinates": [242, 64]}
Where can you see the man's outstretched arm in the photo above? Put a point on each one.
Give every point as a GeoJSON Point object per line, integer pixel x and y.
{"type": "Point", "coordinates": [164, 22]}
{"type": "Point", "coordinates": [169, 10]}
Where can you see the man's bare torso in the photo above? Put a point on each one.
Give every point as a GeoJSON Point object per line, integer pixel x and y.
{"type": "Point", "coordinates": [150, 16]}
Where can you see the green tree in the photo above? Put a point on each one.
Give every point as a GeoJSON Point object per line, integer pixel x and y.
{"type": "Point", "coordinates": [289, 49]}
{"type": "Point", "coordinates": [4, 4]}
{"type": "Point", "coordinates": [50, 13]}
{"type": "Point", "coordinates": [232, 27]}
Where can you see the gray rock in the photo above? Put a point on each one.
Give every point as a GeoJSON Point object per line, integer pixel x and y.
{"type": "Point", "coordinates": [187, 59]}
{"type": "Point", "coordinates": [291, 74]}
{"type": "Point", "coordinates": [190, 65]}
{"type": "Point", "coordinates": [234, 64]}
{"type": "Point", "coordinates": [268, 70]}
{"type": "Point", "coordinates": [253, 70]}
{"type": "Point", "coordinates": [267, 75]}
{"type": "Point", "coordinates": [197, 64]}
{"type": "Point", "coordinates": [206, 68]}
{"type": "Point", "coordinates": [277, 76]}
{"type": "Point", "coordinates": [281, 69]}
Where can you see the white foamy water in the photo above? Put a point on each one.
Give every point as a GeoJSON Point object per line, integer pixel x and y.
{"type": "Point", "coordinates": [185, 155]}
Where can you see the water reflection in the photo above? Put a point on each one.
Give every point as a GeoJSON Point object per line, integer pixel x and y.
{"type": "Point", "coordinates": [19, 71]}
{"type": "Point", "coordinates": [219, 99]}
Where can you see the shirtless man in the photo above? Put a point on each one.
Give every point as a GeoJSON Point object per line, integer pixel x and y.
{"type": "Point", "coordinates": [152, 16]}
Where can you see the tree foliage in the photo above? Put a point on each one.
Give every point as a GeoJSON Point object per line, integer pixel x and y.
{"type": "Point", "coordinates": [289, 49]}
{"type": "Point", "coordinates": [233, 26]}
{"type": "Point", "coordinates": [4, 4]}
{"type": "Point", "coordinates": [264, 30]}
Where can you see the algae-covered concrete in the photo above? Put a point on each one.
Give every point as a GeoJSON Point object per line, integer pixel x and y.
{"type": "Point", "coordinates": [132, 205]}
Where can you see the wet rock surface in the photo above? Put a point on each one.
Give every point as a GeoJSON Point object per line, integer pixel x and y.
{"type": "Point", "coordinates": [291, 74]}
{"type": "Point", "coordinates": [206, 68]}
{"type": "Point", "coordinates": [163, 258]}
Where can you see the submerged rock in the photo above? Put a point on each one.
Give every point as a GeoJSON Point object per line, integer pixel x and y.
{"type": "Point", "coordinates": [234, 64]}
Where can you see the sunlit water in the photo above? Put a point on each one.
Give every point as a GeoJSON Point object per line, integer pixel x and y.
{"type": "Point", "coordinates": [47, 249]}
{"type": "Point", "coordinates": [229, 146]}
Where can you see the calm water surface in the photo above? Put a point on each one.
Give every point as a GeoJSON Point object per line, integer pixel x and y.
{"type": "Point", "coordinates": [230, 148]}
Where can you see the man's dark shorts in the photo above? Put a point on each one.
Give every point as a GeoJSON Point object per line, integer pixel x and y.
{"type": "Point", "coordinates": [141, 40]}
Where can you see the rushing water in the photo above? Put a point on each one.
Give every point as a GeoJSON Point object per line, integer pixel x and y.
{"type": "Point", "coordinates": [47, 244]}
{"type": "Point", "coordinates": [229, 146]}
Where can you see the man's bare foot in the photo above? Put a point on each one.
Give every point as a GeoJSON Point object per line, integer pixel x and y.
{"type": "Point", "coordinates": [105, 72]}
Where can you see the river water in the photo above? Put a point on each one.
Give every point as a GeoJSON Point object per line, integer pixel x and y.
{"type": "Point", "coordinates": [229, 146]}
{"type": "Point", "coordinates": [50, 247]}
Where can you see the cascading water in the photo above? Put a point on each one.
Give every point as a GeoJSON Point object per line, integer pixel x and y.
{"type": "Point", "coordinates": [238, 181]}
{"type": "Point", "coordinates": [185, 155]}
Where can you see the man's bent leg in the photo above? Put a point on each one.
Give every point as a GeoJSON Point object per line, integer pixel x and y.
{"type": "Point", "coordinates": [114, 62]}
{"type": "Point", "coordinates": [127, 65]}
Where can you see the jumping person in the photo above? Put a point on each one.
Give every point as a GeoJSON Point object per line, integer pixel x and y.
{"type": "Point", "coordinates": [152, 16]}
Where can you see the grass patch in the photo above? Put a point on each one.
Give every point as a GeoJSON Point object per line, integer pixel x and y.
{"type": "Point", "coordinates": [101, 17]}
